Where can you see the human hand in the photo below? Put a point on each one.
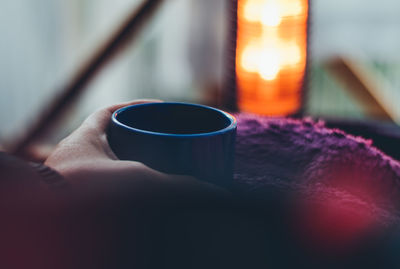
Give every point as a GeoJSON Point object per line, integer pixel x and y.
{"type": "Point", "coordinates": [87, 162]}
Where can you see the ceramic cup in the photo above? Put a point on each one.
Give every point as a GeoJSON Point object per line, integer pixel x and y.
{"type": "Point", "coordinates": [176, 138]}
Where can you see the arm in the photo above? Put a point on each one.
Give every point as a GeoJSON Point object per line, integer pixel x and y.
{"type": "Point", "coordinates": [53, 233]}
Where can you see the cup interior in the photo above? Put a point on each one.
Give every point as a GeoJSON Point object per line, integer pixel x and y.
{"type": "Point", "coordinates": [174, 118]}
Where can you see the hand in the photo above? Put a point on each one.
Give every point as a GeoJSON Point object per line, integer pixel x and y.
{"type": "Point", "coordinates": [85, 159]}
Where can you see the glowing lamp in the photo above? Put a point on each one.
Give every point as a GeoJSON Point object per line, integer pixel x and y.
{"type": "Point", "coordinates": [270, 55]}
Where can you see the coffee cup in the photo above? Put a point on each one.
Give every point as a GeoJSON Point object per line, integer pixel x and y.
{"type": "Point", "coordinates": [176, 138]}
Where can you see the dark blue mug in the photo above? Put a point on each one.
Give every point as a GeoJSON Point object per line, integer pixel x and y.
{"type": "Point", "coordinates": [176, 138]}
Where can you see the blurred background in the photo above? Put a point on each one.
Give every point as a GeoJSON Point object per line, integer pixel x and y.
{"type": "Point", "coordinates": [180, 55]}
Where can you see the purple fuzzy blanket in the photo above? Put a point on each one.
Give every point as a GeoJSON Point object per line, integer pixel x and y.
{"type": "Point", "coordinates": [305, 156]}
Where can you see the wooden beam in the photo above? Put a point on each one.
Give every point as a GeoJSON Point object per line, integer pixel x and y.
{"type": "Point", "coordinates": [103, 55]}
{"type": "Point", "coordinates": [362, 84]}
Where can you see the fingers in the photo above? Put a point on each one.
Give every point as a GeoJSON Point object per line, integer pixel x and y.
{"type": "Point", "coordinates": [181, 185]}
{"type": "Point", "coordinates": [139, 182]}
{"type": "Point", "coordinates": [100, 119]}
{"type": "Point", "coordinates": [145, 182]}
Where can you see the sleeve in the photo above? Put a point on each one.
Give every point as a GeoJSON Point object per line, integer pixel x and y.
{"type": "Point", "coordinates": [48, 176]}
{"type": "Point", "coordinates": [15, 171]}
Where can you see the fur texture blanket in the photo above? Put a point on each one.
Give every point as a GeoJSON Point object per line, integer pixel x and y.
{"type": "Point", "coordinates": [303, 156]}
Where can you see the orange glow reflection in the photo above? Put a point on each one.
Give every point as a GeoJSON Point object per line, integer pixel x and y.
{"type": "Point", "coordinates": [271, 55]}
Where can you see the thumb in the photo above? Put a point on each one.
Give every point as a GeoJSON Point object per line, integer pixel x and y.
{"type": "Point", "coordinates": [100, 119]}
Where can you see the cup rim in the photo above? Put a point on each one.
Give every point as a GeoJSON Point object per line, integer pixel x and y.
{"type": "Point", "coordinates": [232, 125]}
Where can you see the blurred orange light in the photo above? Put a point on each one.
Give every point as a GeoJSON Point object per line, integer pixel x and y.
{"type": "Point", "coordinates": [271, 55]}
{"type": "Point", "coordinates": [271, 12]}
